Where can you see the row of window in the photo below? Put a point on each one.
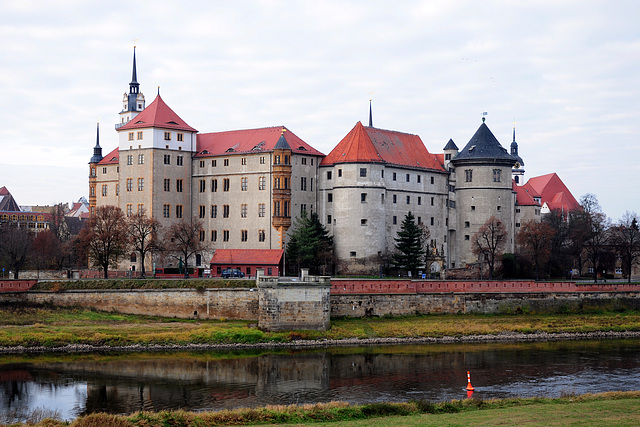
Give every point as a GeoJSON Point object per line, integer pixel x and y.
{"type": "Point", "coordinates": [244, 235]}
{"type": "Point", "coordinates": [167, 136]}
{"type": "Point", "coordinates": [129, 209]}
{"type": "Point", "coordinates": [468, 175]}
{"type": "Point", "coordinates": [243, 161]}
{"type": "Point", "coordinates": [15, 217]}
{"type": "Point", "coordinates": [363, 199]}
{"type": "Point", "coordinates": [394, 175]}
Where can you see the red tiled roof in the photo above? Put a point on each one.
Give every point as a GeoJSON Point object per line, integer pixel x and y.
{"type": "Point", "coordinates": [250, 141]}
{"type": "Point", "coordinates": [111, 158]}
{"type": "Point", "coordinates": [523, 197]}
{"type": "Point", "coordinates": [553, 192]}
{"type": "Point", "coordinates": [158, 115]}
{"type": "Point", "coordinates": [440, 158]}
{"type": "Point", "coordinates": [371, 145]}
{"type": "Point", "coordinates": [4, 191]}
{"type": "Point", "coordinates": [532, 191]}
{"type": "Point", "coordinates": [247, 256]}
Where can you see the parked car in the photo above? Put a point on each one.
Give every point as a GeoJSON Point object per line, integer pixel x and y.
{"type": "Point", "coordinates": [231, 272]}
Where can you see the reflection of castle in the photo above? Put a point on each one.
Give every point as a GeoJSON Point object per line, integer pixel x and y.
{"type": "Point", "coordinates": [247, 185]}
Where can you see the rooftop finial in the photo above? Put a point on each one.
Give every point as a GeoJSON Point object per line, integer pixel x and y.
{"type": "Point", "coordinates": [283, 130]}
{"type": "Point", "coordinates": [370, 115]}
{"type": "Point", "coordinates": [484, 113]}
{"type": "Point", "coordinates": [158, 90]}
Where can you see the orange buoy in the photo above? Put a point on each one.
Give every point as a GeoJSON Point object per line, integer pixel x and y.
{"type": "Point", "coordinates": [469, 386]}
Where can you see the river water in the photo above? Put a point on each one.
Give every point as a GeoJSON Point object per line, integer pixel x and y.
{"type": "Point", "coordinates": [73, 385]}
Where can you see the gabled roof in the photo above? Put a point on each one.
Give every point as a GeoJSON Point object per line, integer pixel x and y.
{"type": "Point", "coordinates": [523, 197]}
{"type": "Point", "coordinates": [250, 141]}
{"type": "Point", "coordinates": [247, 256]}
{"type": "Point", "coordinates": [553, 192]}
{"type": "Point", "coordinates": [483, 146]}
{"type": "Point", "coordinates": [111, 158]}
{"type": "Point", "coordinates": [158, 115]}
{"type": "Point", "coordinates": [372, 145]}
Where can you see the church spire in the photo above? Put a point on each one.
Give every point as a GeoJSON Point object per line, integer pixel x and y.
{"type": "Point", "coordinates": [370, 115]}
{"type": "Point", "coordinates": [134, 86]}
{"type": "Point", "coordinates": [97, 150]}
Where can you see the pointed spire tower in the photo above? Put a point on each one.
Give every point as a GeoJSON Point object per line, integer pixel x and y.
{"type": "Point", "coordinates": [132, 102]}
{"type": "Point", "coordinates": [370, 115]}
{"type": "Point", "coordinates": [518, 169]}
{"type": "Point", "coordinates": [93, 164]}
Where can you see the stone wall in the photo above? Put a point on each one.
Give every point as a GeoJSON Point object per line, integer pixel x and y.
{"type": "Point", "coordinates": [181, 303]}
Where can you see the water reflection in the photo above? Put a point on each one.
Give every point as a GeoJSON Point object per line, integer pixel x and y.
{"type": "Point", "coordinates": [82, 384]}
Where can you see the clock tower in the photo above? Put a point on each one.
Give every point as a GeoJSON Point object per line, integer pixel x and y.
{"type": "Point", "coordinates": [132, 102]}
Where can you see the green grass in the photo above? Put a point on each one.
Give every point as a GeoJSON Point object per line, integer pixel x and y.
{"type": "Point", "coordinates": [614, 408]}
{"type": "Point", "coordinates": [38, 325]}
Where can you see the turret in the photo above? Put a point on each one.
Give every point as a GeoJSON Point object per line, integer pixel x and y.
{"type": "Point", "coordinates": [93, 164]}
{"type": "Point", "coordinates": [518, 169]}
{"type": "Point", "coordinates": [132, 102]}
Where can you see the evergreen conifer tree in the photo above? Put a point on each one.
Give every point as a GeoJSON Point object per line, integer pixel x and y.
{"type": "Point", "coordinates": [410, 251]}
{"type": "Point", "coordinates": [310, 245]}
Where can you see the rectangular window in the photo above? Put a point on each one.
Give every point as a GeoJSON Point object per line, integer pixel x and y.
{"type": "Point", "coordinates": [117, 189]}
{"type": "Point", "coordinates": [243, 210]}
{"type": "Point", "coordinates": [202, 211]}
{"type": "Point", "coordinates": [395, 199]}
{"type": "Point", "coordinates": [419, 179]}
{"type": "Point", "coordinates": [203, 185]}
{"type": "Point", "coordinates": [179, 185]}
{"type": "Point", "coordinates": [363, 197]}
{"type": "Point", "coordinates": [329, 198]}
{"type": "Point", "coordinates": [139, 135]}
{"type": "Point", "coordinates": [178, 211]}
{"type": "Point", "coordinates": [395, 220]}
{"type": "Point", "coordinates": [408, 200]}
{"type": "Point", "coordinates": [339, 172]}
{"type": "Point", "coordinates": [104, 189]}
{"type": "Point", "coordinates": [166, 211]}
{"type": "Point", "coordinates": [180, 137]}
{"type": "Point", "coordinates": [141, 159]}
{"type": "Point", "coordinates": [328, 174]}
{"type": "Point", "coordinates": [129, 184]}
{"type": "Point", "coordinates": [130, 136]}
{"type": "Point", "coordinates": [329, 219]}
{"type": "Point", "coordinates": [243, 161]}
{"type": "Point", "coordinates": [261, 209]}
{"type": "Point", "coordinates": [262, 183]}
{"type": "Point", "coordinates": [262, 236]}
{"type": "Point", "coordinates": [129, 159]}
{"type": "Point", "coordinates": [473, 208]}
{"type": "Point", "coordinates": [394, 177]}
{"type": "Point", "coordinates": [276, 208]}
{"type": "Point", "coordinates": [180, 160]}
{"type": "Point", "coordinates": [214, 163]}
{"type": "Point", "coordinates": [201, 235]}
{"type": "Point", "coordinates": [201, 163]}
{"type": "Point", "coordinates": [466, 237]}
{"type": "Point", "coordinates": [496, 175]}
{"type": "Point", "coordinates": [363, 172]}
{"type": "Point", "coordinates": [167, 159]}
{"type": "Point", "coordinates": [468, 175]}
{"type": "Point", "coordinates": [303, 208]}
{"type": "Point", "coordinates": [303, 183]}
{"type": "Point", "coordinates": [433, 200]}
{"type": "Point", "coordinates": [225, 235]}
{"type": "Point", "coordinates": [419, 200]}
{"type": "Point", "coordinates": [226, 162]}
{"type": "Point", "coordinates": [167, 136]}
{"type": "Point", "coordinates": [244, 235]}
{"type": "Point", "coordinates": [104, 171]}
{"type": "Point", "coordinates": [214, 235]}
{"type": "Point", "coordinates": [286, 183]}
{"type": "Point", "coordinates": [214, 211]}
{"type": "Point", "coordinates": [499, 208]}
{"type": "Point", "coordinates": [244, 183]}
{"type": "Point", "coordinates": [467, 224]}
{"type": "Point", "coordinates": [129, 209]}
{"type": "Point", "coordinates": [225, 184]}
{"type": "Point", "coordinates": [363, 221]}
{"type": "Point", "coordinates": [225, 211]}
{"type": "Point", "coordinates": [432, 181]}
{"type": "Point", "coordinates": [262, 160]}
{"type": "Point", "coordinates": [304, 160]}
{"type": "Point", "coordinates": [141, 209]}
{"type": "Point", "coordinates": [214, 185]}
{"type": "Point", "coordinates": [286, 209]}
{"type": "Point", "coordinates": [167, 184]}
{"type": "Point", "coordinates": [408, 178]}
{"type": "Point", "coordinates": [311, 185]}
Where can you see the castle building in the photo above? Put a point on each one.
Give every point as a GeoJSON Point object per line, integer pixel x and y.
{"type": "Point", "coordinates": [248, 186]}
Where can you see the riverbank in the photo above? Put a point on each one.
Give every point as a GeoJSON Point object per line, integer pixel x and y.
{"type": "Point", "coordinates": [613, 408]}
{"type": "Point", "coordinates": [35, 328]}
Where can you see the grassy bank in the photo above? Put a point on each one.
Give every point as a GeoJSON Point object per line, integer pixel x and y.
{"type": "Point", "coordinates": [33, 326]}
{"type": "Point", "coordinates": [618, 408]}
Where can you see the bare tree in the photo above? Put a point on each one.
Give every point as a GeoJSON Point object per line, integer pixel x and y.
{"type": "Point", "coordinates": [488, 243]}
{"type": "Point", "coordinates": [46, 250]}
{"type": "Point", "coordinates": [58, 224]}
{"type": "Point", "coordinates": [105, 237]}
{"type": "Point", "coordinates": [536, 240]}
{"type": "Point", "coordinates": [596, 226]}
{"type": "Point", "coordinates": [183, 239]}
{"type": "Point", "coordinates": [15, 244]}
{"type": "Point", "coordinates": [626, 237]}
{"type": "Point", "coordinates": [143, 235]}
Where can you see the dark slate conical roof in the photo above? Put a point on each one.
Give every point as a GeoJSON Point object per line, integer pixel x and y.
{"type": "Point", "coordinates": [451, 145]}
{"type": "Point", "coordinates": [484, 147]}
{"type": "Point", "coordinates": [282, 143]}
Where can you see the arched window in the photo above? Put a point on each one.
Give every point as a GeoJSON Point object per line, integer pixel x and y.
{"type": "Point", "coordinates": [133, 257]}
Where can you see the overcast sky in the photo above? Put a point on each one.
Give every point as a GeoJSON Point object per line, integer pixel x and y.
{"type": "Point", "coordinates": [567, 72]}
